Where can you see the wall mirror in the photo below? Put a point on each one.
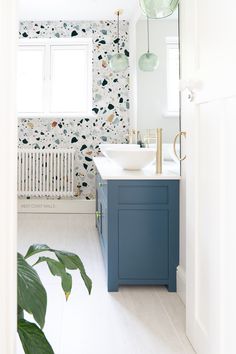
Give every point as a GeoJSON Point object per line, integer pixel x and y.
{"type": "Point", "coordinates": [157, 92]}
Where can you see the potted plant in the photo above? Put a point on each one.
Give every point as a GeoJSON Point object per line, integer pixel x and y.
{"type": "Point", "coordinates": [32, 296]}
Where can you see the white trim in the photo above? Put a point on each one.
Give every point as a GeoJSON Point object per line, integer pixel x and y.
{"type": "Point", "coordinates": [56, 206]}
{"type": "Point", "coordinates": [170, 114]}
{"type": "Point", "coordinates": [8, 176]}
{"type": "Point", "coordinates": [181, 284]}
{"type": "Point", "coordinates": [56, 115]}
{"type": "Point", "coordinates": [54, 41]}
{"type": "Point", "coordinates": [171, 45]}
{"type": "Point", "coordinates": [172, 40]}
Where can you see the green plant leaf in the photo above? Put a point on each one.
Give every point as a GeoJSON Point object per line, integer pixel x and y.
{"type": "Point", "coordinates": [20, 313]}
{"type": "Point", "coordinates": [33, 339]}
{"type": "Point", "coordinates": [37, 248]}
{"type": "Point", "coordinates": [32, 296]}
{"type": "Point", "coordinates": [72, 261]}
{"type": "Point", "coordinates": [58, 269]}
{"type": "Point", "coordinates": [66, 283]}
{"type": "Point", "coordinates": [55, 267]}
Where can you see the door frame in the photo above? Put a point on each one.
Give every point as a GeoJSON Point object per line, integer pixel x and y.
{"type": "Point", "coordinates": [8, 175]}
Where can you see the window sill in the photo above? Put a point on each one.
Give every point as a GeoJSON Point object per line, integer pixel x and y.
{"type": "Point", "coordinates": [169, 114]}
{"type": "Point", "coordinates": [55, 115]}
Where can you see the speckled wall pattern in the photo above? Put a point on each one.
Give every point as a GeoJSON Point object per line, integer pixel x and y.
{"type": "Point", "coordinates": [110, 100]}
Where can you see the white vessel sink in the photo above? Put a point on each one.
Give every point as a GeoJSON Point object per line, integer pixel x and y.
{"type": "Point", "coordinates": [105, 147]}
{"type": "Point", "coordinates": [132, 159]}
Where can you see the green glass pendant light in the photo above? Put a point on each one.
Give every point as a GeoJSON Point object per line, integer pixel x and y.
{"type": "Point", "coordinates": [148, 61]}
{"type": "Point", "coordinates": [119, 62]}
{"type": "Point", "coordinates": [158, 8]}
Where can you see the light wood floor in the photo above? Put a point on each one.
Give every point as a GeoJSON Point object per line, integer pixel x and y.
{"type": "Point", "coordinates": [136, 320]}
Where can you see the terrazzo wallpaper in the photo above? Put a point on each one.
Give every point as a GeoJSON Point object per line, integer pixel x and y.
{"type": "Point", "coordinates": [110, 123]}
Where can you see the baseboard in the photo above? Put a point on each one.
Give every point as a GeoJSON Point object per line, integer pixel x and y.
{"type": "Point", "coordinates": [57, 206]}
{"type": "Point", "coordinates": [181, 284]}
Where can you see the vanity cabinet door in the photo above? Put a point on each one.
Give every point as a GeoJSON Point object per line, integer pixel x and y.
{"type": "Point", "coordinates": [102, 215]}
{"type": "Point", "coordinates": [96, 212]}
{"type": "Point", "coordinates": [144, 244]}
{"type": "Point", "coordinates": [103, 223]}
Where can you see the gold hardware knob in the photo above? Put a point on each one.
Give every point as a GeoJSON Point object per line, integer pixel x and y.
{"type": "Point", "coordinates": [175, 141]}
{"type": "Point", "coordinates": [98, 215]}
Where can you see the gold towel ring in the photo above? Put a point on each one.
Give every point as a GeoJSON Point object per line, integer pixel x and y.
{"type": "Point", "coordinates": [175, 141]}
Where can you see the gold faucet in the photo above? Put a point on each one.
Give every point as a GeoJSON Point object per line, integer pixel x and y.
{"type": "Point", "coordinates": [159, 151]}
{"type": "Point", "coordinates": [148, 138]}
{"type": "Point", "coordinates": [158, 139]}
{"type": "Point", "coordinates": [132, 136]}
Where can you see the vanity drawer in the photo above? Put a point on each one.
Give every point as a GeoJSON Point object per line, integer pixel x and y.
{"type": "Point", "coordinates": [143, 194]}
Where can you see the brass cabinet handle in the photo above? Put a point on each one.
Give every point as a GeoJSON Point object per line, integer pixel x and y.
{"type": "Point", "coordinates": [98, 215]}
{"type": "Point", "coordinates": [175, 141]}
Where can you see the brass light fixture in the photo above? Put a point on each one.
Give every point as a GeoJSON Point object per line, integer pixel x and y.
{"type": "Point", "coordinates": [148, 61]}
{"type": "Point", "coordinates": [119, 62]}
{"type": "Point", "coordinates": [158, 8]}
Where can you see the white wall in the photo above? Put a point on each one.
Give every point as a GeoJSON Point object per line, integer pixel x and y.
{"type": "Point", "coordinates": [151, 90]}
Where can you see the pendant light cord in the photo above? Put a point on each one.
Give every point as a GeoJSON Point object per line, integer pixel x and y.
{"type": "Point", "coordinates": [148, 35]}
{"type": "Point", "coordinates": [118, 31]}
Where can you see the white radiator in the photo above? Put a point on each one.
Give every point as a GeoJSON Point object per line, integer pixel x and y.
{"type": "Point", "coordinates": [48, 173]}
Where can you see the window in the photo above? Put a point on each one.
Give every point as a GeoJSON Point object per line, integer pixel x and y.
{"type": "Point", "coordinates": [55, 77]}
{"type": "Point", "coordinates": [172, 57]}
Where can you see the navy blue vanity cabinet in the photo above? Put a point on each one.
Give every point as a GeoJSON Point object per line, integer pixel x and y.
{"type": "Point", "coordinates": [138, 226]}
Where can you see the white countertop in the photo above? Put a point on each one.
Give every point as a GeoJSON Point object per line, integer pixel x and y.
{"type": "Point", "coordinates": [110, 171]}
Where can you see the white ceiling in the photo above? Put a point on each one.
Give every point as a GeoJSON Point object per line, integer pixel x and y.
{"type": "Point", "coordinates": [80, 10]}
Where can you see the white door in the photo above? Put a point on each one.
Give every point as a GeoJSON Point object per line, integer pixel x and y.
{"type": "Point", "coordinates": [208, 59]}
